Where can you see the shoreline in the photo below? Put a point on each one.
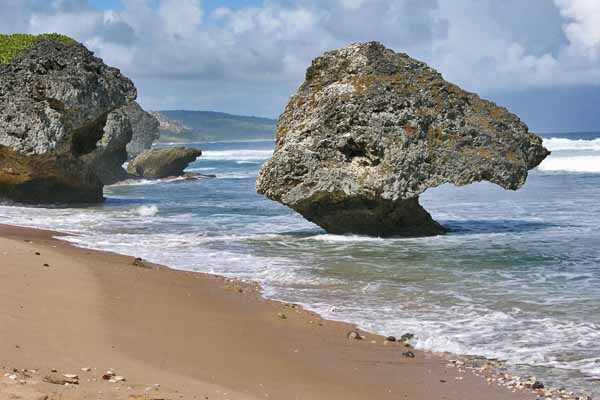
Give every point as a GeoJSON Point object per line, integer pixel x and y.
{"type": "Point", "coordinates": [249, 346]}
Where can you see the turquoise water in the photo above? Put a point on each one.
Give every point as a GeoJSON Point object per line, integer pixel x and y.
{"type": "Point", "coordinates": [517, 279]}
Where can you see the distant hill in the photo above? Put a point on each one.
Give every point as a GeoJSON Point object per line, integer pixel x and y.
{"type": "Point", "coordinates": [197, 126]}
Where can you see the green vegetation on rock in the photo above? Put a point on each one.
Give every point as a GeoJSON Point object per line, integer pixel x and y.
{"type": "Point", "coordinates": [14, 45]}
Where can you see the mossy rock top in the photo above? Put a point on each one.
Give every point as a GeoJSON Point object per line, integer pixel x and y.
{"type": "Point", "coordinates": [12, 46]}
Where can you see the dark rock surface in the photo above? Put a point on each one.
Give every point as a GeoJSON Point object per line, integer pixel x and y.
{"type": "Point", "coordinates": [55, 101]}
{"type": "Point", "coordinates": [107, 159]}
{"type": "Point", "coordinates": [129, 131]}
{"type": "Point", "coordinates": [162, 163]}
{"type": "Point", "coordinates": [370, 130]}
{"type": "Point", "coordinates": [145, 129]}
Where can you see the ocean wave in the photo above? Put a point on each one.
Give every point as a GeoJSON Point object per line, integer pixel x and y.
{"type": "Point", "coordinates": [200, 169]}
{"type": "Point", "coordinates": [558, 144]}
{"type": "Point", "coordinates": [331, 238]}
{"type": "Point", "coordinates": [581, 164]}
{"type": "Point", "coordinates": [237, 175]}
{"type": "Point", "coordinates": [237, 155]}
{"type": "Point", "coordinates": [141, 182]}
{"type": "Point", "coordinates": [147, 211]}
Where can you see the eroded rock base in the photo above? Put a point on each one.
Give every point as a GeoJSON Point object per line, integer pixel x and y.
{"type": "Point", "coordinates": [43, 179]}
{"type": "Point", "coordinates": [361, 216]}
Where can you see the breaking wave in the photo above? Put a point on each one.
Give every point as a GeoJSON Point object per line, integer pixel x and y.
{"type": "Point", "coordinates": [582, 164]}
{"type": "Point", "coordinates": [237, 155]}
{"type": "Point", "coordinates": [560, 144]}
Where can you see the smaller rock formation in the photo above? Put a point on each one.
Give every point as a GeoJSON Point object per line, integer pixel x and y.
{"type": "Point", "coordinates": [145, 129]}
{"type": "Point", "coordinates": [370, 130]}
{"type": "Point", "coordinates": [162, 163]}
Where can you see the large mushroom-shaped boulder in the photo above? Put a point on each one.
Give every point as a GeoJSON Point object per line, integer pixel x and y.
{"type": "Point", "coordinates": [55, 101]}
{"type": "Point", "coordinates": [370, 130]}
{"type": "Point", "coordinates": [162, 163]}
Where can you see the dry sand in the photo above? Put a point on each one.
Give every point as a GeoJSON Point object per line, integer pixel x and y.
{"type": "Point", "coordinates": [197, 336]}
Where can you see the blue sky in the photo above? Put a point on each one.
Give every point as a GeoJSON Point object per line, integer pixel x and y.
{"type": "Point", "coordinates": [209, 5]}
{"type": "Point", "coordinates": [539, 58]}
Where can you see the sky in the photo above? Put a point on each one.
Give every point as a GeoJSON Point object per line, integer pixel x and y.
{"type": "Point", "coordinates": [539, 58]}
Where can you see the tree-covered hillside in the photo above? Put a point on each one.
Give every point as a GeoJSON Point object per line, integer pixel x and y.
{"type": "Point", "coordinates": [192, 126]}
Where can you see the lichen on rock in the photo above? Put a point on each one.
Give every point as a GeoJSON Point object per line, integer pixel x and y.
{"type": "Point", "coordinates": [370, 130]}
{"type": "Point", "coordinates": [55, 101]}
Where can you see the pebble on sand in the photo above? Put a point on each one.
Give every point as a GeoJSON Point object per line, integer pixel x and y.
{"type": "Point", "coordinates": [354, 335]}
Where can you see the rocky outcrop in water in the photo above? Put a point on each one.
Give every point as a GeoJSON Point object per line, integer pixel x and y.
{"type": "Point", "coordinates": [162, 163]}
{"type": "Point", "coordinates": [145, 129]}
{"type": "Point", "coordinates": [55, 106]}
{"type": "Point", "coordinates": [370, 130]}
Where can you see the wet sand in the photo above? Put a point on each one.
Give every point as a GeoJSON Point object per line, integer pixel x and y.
{"type": "Point", "coordinates": [182, 335]}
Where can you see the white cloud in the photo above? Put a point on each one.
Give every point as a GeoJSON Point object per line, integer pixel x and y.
{"type": "Point", "coordinates": [180, 17]}
{"type": "Point", "coordinates": [583, 26]}
{"type": "Point", "coordinates": [352, 4]}
{"type": "Point", "coordinates": [249, 59]}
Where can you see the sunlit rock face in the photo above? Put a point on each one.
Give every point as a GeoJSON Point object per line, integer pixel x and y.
{"type": "Point", "coordinates": [163, 163]}
{"type": "Point", "coordinates": [370, 130]}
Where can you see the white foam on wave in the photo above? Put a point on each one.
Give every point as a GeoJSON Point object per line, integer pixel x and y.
{"type": "Point", "coordinates": [237, 155]}
{"type": "Point", "coordinates": [582, 164]}
{"type": "Point", "coordinates": [475, 330]}
{"type": "Point", "coordinates": [147, 211]}
{"type": "Point", "coordinates": [179, 252]}
{"type": "Point", "coordinates": [237, 175]}
{"type": "Point", "coordinates": [559, 144]}
{"type": "Point", "coordinates": [142, 182]}
{"type": "Point", "coordinates": [326, 237]}
{"type": "Point", "coordinates": [247, 162]}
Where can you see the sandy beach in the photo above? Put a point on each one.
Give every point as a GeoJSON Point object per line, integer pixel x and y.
{"type": "Point", "coordinates": [173, 334]}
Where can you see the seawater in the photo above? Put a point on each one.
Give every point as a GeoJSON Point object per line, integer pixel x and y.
{"type": "Point", "coordinates": [517, 279]}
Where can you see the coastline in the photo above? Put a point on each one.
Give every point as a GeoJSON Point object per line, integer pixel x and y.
{"type": "Point", "coordinates": [196, 335]}
{"type": "Point", "coordinates": [269, 139]}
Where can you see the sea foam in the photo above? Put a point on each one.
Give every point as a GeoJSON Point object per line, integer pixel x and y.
{"type": "Point", "coordinates": [583, 164]}
{"type": "Point", "coordinates": [147, 211]}
{"type": "Point", "coordinates": [560, 144]}
{"type": "Point", "coordinates": [237, 155]}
